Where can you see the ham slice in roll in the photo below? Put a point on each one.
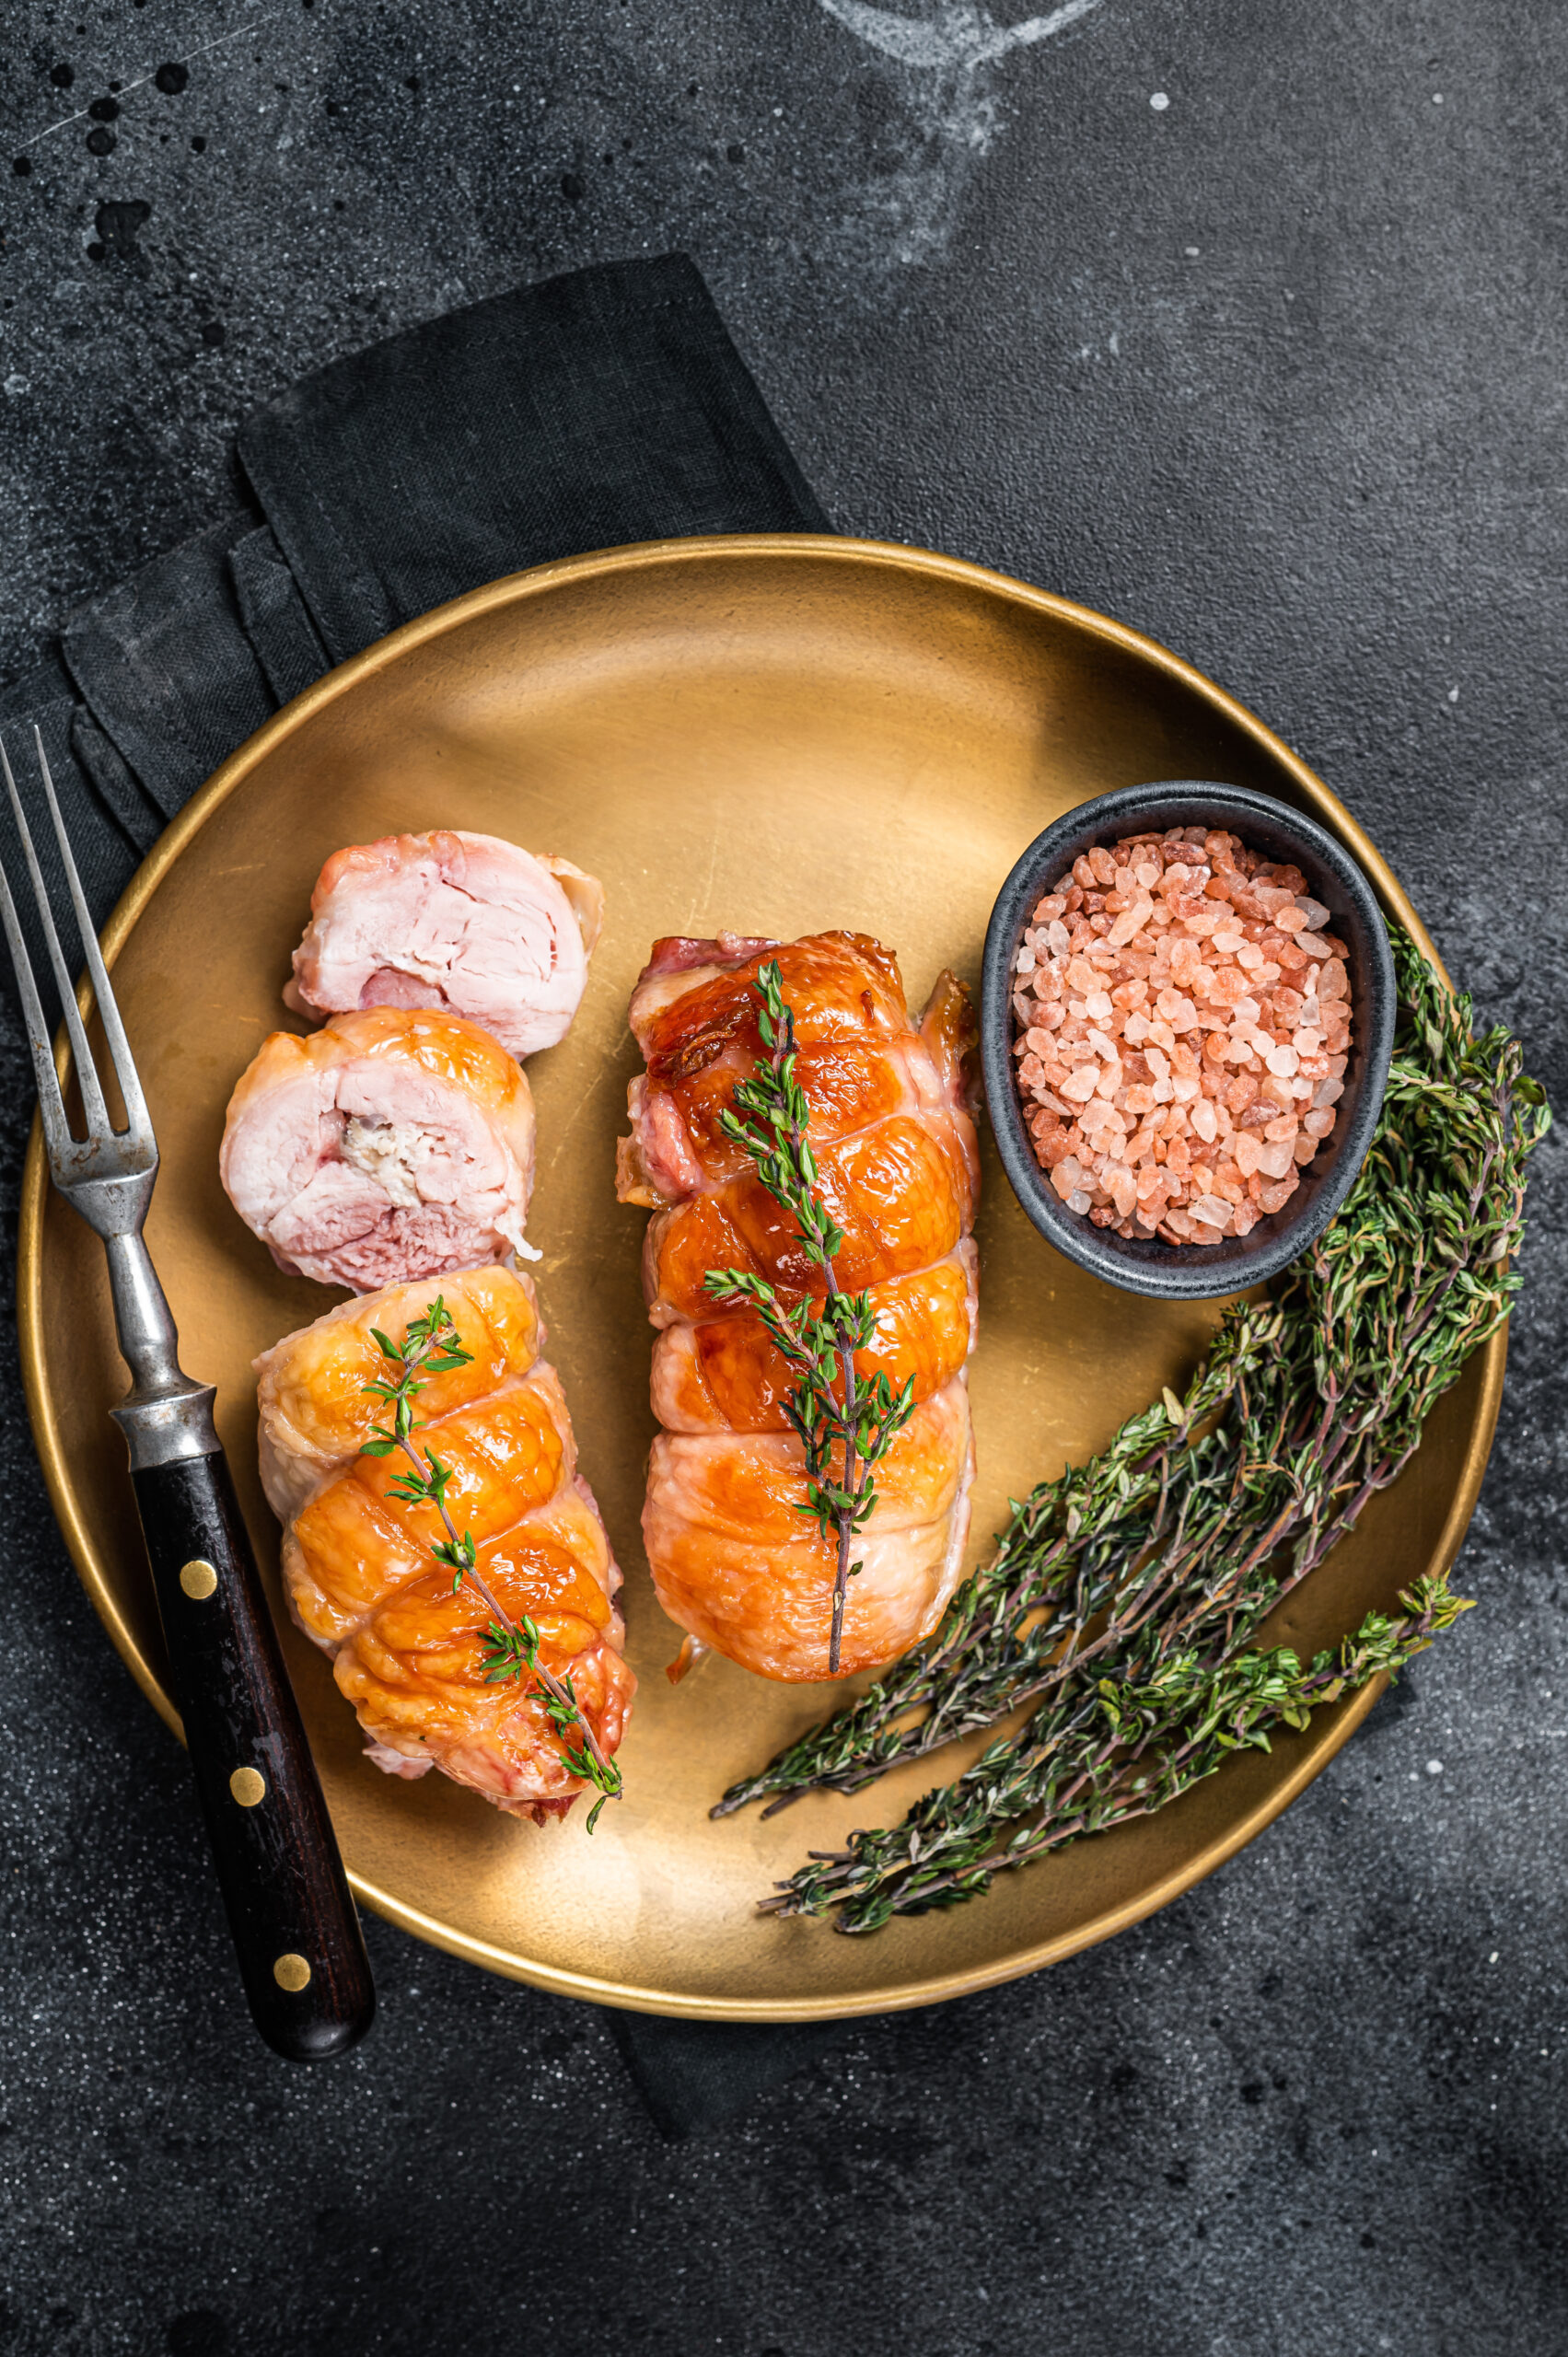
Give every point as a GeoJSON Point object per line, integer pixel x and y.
{"type": "Point", "coordinates": [465, 923]}
{"type": "Point", "coordinates": [387, 1146]}
{"type": "Point", "coordinates": [734, 1559]}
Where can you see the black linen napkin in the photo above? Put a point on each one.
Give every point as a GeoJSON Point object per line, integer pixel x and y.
{"type": "Point", "coordinates": [605, 407]}
{"type": "Point", "coordinates": [437, 460]}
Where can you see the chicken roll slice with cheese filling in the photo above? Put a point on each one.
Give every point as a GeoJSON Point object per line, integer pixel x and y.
{"type": "Point", "coordinates": [385, 1147]}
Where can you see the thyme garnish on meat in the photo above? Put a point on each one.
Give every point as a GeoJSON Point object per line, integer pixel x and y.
{"type": "Point", "coordinates": [845, 1421]}
{"type": "Point", "coordinates": [1125, 1598]}
{"type": "Point", "coordinates": [431, 1346]}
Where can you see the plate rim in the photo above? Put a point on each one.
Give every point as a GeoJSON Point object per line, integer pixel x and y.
{"type": "Point", "coordinates": [1330, 1729]}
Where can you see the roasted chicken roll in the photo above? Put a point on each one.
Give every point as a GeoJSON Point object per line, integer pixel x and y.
{"type": "Point", "coordinates": [466, 922]}
{"type": "Point", "coordinates": [407, 1650]}
{"type": "Point", "coordinates": [734, 1559]}
{"type": "Point", "coordinates": [385, 1147]}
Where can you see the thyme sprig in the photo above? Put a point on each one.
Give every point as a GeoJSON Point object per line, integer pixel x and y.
{"type": "Point", "coordinates": [845, 1420]}
{"type": "Point", "coordinates": [431, 1346]}
{"type": "Point", "coordinates": [1136, 1584]}
{"type": "Point", "coordinates": [1134, 1745]}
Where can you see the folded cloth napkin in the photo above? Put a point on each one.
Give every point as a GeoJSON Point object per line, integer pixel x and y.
{"type": "Point", "coordinates": [598, 409]}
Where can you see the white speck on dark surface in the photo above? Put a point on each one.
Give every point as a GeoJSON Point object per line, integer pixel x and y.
{"type": "Point", "coordinates": [1265, 2118]}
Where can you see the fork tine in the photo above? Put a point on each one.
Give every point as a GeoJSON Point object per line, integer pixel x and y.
{"type": "Point", "coordinates": [126, 1072]}
{"type": "Point", "coordinates": [86, 1071]}
{"type": "Point", "coordinates": [50, 1104]}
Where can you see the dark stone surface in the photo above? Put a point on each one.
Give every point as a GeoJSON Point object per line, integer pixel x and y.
{"type": "Point", "coordinates": [1274, 372]}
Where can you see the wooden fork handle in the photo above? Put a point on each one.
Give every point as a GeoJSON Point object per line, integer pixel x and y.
{"type": "Point", "coordinates": [301, 1951]}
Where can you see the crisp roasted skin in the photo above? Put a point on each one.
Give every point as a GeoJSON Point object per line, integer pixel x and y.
{"type": "Point", "coordinates": [358, 1571]}
{"type": "Point", "coordinates": [467, 922]}
{"type": "Point", "coordinates": [734, 1560]}
{"type": "Point", "coordinates": [387, 1146]}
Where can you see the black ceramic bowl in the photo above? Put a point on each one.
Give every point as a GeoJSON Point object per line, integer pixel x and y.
{"type": "Point", "coordinates": [1195, 1272]}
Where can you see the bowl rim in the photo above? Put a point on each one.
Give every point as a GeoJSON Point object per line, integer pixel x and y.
{"type": "Point", "coordinates": [1193, 1273]}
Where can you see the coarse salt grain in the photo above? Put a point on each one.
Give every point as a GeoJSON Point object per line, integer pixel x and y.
{"type": "Point", "coordinates": [1180, 1052]}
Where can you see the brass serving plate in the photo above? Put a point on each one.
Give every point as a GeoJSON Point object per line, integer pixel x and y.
{"type": "Point", "coordinates": [772, 733]}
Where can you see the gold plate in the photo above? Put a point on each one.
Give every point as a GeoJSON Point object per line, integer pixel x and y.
{"type": "Point", "coordinates": [772, 735]}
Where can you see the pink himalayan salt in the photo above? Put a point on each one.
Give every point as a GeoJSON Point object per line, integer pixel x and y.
{"type": "Point", "coordinates": [1184, 1025]}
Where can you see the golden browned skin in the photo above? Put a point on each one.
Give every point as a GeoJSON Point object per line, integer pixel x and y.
{"type": "Point", "coordinates": [734, 1560]}
{"type": "Point", "coordinates": [357, 1563]}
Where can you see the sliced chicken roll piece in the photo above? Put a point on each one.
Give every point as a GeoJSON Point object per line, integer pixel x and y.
{"type": "Point", "coordinates": [467, 922]}
{"type": "Point", "coordinates": [385, 1147]}
{"type": "Point", "coordinates": [407, 1649]}
{"type": "Point", "coordinates": [734, 1559]}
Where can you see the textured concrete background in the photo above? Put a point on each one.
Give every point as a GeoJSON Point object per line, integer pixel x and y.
{"type": "Point", "coordinates": [1243, 320]}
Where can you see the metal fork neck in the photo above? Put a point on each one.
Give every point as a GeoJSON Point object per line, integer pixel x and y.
{"type": "Point", "coordinates": [165, 1416]}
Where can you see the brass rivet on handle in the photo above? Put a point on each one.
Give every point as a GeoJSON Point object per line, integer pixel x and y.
{"type": "Point", "coordinates": [198, 1579]}
{"type": "Point", "coordinates": [291, 1972]}
{"type": "Point", "coordinates": [249, 1786]}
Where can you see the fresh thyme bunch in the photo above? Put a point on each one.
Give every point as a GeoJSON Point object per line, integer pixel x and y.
{"type": "Point", "coordinates": [845, 1420]}
{"type": "Point", "coordinates": [431, 1346]}
{"type": "Point", "coordinates": [1133, 1743]}
{"type": "Point", "coordinates": [1123, 1598]}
